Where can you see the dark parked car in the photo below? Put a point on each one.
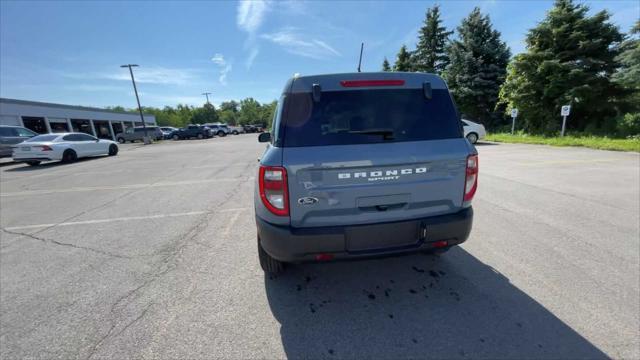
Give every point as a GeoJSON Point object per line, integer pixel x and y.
{"type": "Point", "coordinates": [192, 131]}
{"type": "Point", "coordinates": [11, 135]}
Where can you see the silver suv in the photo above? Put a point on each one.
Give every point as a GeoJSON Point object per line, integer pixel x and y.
{"type": "Point", "coordinates": [12, 135]}
{"type": "Point", "coordinates": [360, 165]}
{"type": "Point", "coordinates": [137, 134]}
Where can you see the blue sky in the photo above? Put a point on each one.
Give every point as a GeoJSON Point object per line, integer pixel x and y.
{"type": "Point", "coordinates": [70, 52]}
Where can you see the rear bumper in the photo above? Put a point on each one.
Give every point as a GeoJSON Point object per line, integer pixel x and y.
{"type": "Point", "coordinates": [289, 244]}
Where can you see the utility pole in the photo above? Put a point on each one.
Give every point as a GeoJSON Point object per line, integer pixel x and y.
{"type": "Point", "coordinates": [207, 95]}
{"type": "Point", "coordinates": [135, 89]}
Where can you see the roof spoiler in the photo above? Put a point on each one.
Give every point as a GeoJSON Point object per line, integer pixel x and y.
{"type": "Point", "coordinates": [426, 89]}
{"type": "Point", "coordinates": [316, 90]}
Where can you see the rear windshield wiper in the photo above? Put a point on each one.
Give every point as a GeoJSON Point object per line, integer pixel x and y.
{"type": "Point", "coordinates": [387, 134]}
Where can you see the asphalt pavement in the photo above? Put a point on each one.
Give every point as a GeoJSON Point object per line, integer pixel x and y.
{"type": "Point", "coordinates": [152, 254]}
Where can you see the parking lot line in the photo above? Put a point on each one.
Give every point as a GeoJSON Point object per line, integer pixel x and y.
{"type": "Point", "coordinates": [130, 218]}
{"type": "Point", "coordinates": [121, 187]}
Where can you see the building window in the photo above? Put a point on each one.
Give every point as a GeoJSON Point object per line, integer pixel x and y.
{"type": "Point", "coordinates": [36, 124]}
{"type": "Point", "coordinates": [102, 129]}
{"type": "Point", "coordinates": [81, 125]}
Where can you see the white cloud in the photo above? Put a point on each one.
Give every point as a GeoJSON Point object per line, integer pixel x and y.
{"type": "Point", "coordinates": [155, 75]}
{"type": "Point", "coordinates": [253, 53]}
{"type": "Point", "coordinates": [295, 43]}
{"type": "Point", "coordinates": [251, 14]}
{"type": "Point", "coordinates": [224, 65]}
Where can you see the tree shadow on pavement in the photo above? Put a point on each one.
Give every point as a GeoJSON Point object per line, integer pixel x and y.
{"type": "Point", "coordinates": [418, 306]}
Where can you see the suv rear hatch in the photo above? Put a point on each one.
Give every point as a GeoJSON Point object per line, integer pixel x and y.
{"type": "Point", "coordinates": [359, 152]}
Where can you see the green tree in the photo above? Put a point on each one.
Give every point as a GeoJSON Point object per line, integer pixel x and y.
{"type": "Point", "coordinates": [403, 60]}
{"type": "Point", "coordinates": [478, 67]}
{"type": "Point", "coordinates": [385, 65]}
{"type": "Point", "coordinates": [430, 55]}
{"type": "Point", "coordinates": [628, 74]}
{"type": "Point", "coordinates": [250, 111]}
{"type": "Point", "coordinates": [205, 114]}
{"type": "Point", "coordinates": [230, 106]}
{"type": "Point", "coordinates": [570, 59]}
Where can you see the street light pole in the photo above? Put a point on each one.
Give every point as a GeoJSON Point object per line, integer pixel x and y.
{"type": "Point", "coordinates": [207, 95]}
{"type": "Point", "coordinates": [135, 89]}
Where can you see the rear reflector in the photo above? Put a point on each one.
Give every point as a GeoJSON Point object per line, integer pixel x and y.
{"type": "Point", "coordinates": [440, 244]}
{"type": "Point", "coordinates": [324, 257]}
{"type": "Point", "coordinates": [366, 83]}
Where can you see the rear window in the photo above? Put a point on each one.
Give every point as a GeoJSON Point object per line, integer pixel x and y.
{"type": "Point", "coordinates": [367, 117]}
{"type": "Point", "coordinates": [42, 138]}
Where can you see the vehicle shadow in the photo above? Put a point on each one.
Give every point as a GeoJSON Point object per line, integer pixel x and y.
{"type": "Point", "coordinates": [48, 164]}
{"type": "Point", "coordinates": [418, 306]}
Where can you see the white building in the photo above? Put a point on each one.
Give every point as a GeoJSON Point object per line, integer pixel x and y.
{"type": "Point", "coordinates": [46, 118]}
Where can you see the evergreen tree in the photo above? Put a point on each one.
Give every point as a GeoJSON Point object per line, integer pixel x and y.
{"type": "Point", "coordinates": [628, 75]}
{"type": "Point", "coordinates": [478, 67]}
{"type": "Point", "coordinates": [570, 58]}
{"type": "Point", "coordinates": [430, 55]}
{"type": "Point", "coordinates": [385, 65]}
{"type": "Point", "coordinates": [403, 60]}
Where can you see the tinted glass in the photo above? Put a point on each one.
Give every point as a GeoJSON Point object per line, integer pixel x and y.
{"type": "Point", "coordinates": [84, 137]}
{"type": "Point", "coordinates": [368, 116]}
{"type": "Point", "coordinates": [9, 132]}
{"type": "Point", "coordinates": [42, 138]}
{"type": "Point", "coordinates": [22, 132]}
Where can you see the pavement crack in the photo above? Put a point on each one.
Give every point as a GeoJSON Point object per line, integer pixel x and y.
{"type": "Point", "coordinates": [110, 334]}
{"type": "Point", "coordinates": [59, 243]}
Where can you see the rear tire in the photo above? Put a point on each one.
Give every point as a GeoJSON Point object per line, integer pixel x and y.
{"type": "Point", "coordinates": [113, 150]}
{"type": "Point", "coordinates": [176, 137]}
{"type": "Point", "coordinates": [121, 140]}
{"type": "Point", "coordinates": [221, 134]}
{"type": "Point", "coordinates": [200, 136]}
{"type": "Point", "coordinates": [69, 156]}
{"type": "Point", "coordinates": [33, 163]}
{"type": "Point", "coordinates": [267, 263]}
{"type": "Point", "coordinates": [472, 137]}
{"type": "Point", "coordinates": [235, 133]}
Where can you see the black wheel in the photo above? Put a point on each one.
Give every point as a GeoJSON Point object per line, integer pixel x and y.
{"type": "Point", "coordinates": [221, 133]}
{"type": "Point", "coordinates": [235, 132]}
{"type": "Point", "coordinates": [269, 264]}
{"type": "Point", "coordinates": [200, 136]}
{"type": "Point", "coordinates": [69, 156]}
{"type": "Point", "coordinates": [113, 150]}
{"type": "Point", "coordinates": [121, 140]}
{"type": "Point", "coordinates": [472, 137]}
{"type": "Point", "coordinates": [176, 137]}
{"type": "Point", "coordinates": [33, 163]}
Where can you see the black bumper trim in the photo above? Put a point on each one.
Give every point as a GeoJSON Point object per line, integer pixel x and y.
{"type": "Point", "coordinates": [290, 244]}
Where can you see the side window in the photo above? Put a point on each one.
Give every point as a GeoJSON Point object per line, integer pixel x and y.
{"type": "Point", "coordinates": [275, 123]}
{"type": "Point", "coordinates": [71, 137]}
{"type": "Point", "coordinates": [129, 131]}
{"type": "Point", "coordinates": [8, 132]}
{"type": "Point", "coordinates": [22, 132]}
{"type": "Point", "coordinates": [84, 137]}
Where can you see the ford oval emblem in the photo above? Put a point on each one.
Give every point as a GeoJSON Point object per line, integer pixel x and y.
{"type": "Point", "coordinates": [307, 200]}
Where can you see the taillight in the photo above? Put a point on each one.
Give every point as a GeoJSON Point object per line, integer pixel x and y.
{"type": "Point", "coordinates": [45, 148]}
{"type": "Point", "coordinates": [368, 83]}
{"type": "Point", "coordinates": [273, 189]}
{"type": "Point", "coordinates": [471, 179]}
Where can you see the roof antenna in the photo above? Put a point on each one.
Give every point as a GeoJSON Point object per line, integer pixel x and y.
{"type": "Point", "coordinates": [360, 61]}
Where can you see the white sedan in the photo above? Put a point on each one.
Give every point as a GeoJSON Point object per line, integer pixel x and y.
{"type": "Point", "coordinates": [67, 147]}
{"type": "Point", "coordinates": [473, 131]}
